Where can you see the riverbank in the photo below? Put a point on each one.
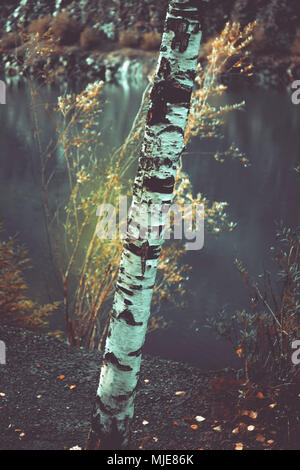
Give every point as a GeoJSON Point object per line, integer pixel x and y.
{"type": "Point", "coordinates": [47, 391]}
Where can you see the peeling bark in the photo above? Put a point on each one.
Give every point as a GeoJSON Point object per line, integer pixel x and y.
{"type": "Point", "coordinates": [154, 184]}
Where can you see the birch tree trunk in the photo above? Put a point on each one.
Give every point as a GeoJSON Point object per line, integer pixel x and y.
{"type": "Point", "coordinates": [160, 155]}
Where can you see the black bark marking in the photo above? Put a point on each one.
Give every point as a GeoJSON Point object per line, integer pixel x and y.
{"type": "Point", "coordinates": [125, 396]}
{"type": "Point", "coordinates": [128, 302]}
{"type": "Point", "coordinates": [154, 164]}
{"type": "Point", "coordinates": [157, 185]}
{"type": "Point", "coordinates": [112, 359]}
{"type": "Point", "coordinates": [134, 287]}
{"type": "Point", "coordinates": [99, 405]}
{"type": "Point", "coordinates": [144, 254]}
{"type": "Point", "coordinates": [158, 108]}
{"type": "Point", "coordinates": [163, 93]}
{"type": "Point", "coordinates": [120, 398]}
{"type": "Point", "coordinates": [184, 10]}
{"type": "Point", "coordinates": [153, 251]}
{"type": "Point", "coordinates": [171, 128]}
{"type": "Point", "coordinates": [136, 353]}
{"type": "Point", "coordinates": [128, 317]}
{"type": "Point", "coordinates": [180, 28]}
{"type": "Point", "coordinates": [164, 69]}
{"type": "Point", "coordinates": [126, 291]}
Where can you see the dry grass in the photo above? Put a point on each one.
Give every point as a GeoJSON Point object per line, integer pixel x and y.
{"type": "Point", "coordinates": [151, 41]}
{"type": "Point", "coordinates": [65, 29]}
{"type": "Point", "coordinates": [89, 39]}
{"type": "Point", "coordinates": [129, 38]}
{"type": "Point", "coordinates": [9, 41]}
{"type": "Point", "coordinates": [40, 25]}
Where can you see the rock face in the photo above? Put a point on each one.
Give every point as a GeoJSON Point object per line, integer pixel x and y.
{"type": "Point", "coordinates": [278, 21]}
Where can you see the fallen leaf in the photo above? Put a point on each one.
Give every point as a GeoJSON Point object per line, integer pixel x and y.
{"type": "Point", "coordinates": [239, 352]}
{"type": "Point", "coordinates": [260, 438]}
{"type": "Point", "coordinates": [39, 396]}
{"type": "Point", "coordinates": [272, 405]}
{"type": "Point", "coordinates": [194, 426]}
{"type": "Point", "coordinates": [145, 422]}
{"type": "Point", "coordinates": [239, 446]}
{"type": "Point", "coordinates": [61, 377]}
{"type": "Point", "coordinates": [253, 414]}
{"type": "Point", "coordinates": [235, 430]}
{"type": "Point", "coordinates": [251, 428]}
{"type": "Point", "coordinates": [260, 395]}
{"type": "Point", "coordinates": [200, 419]}
{"type": "Point", "coordinates": [180, 393]}
{"type": "Point", "coordinates": [2, 394]}
{"type": "Point", "coordinates": [72, 387]}
{"type": "Point", "coordinates": [217, 428]}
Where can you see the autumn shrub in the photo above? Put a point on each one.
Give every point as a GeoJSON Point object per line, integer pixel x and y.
{"type": "Point", "coordinates": [40, 25]}
{"type": "Point", "coordinates": [15, 307]}
{"type": "Point", "coordinates": [129, 38]}
{"type": "Point", "coordinates": [89, 39]}
{"type": "Point", "coordinates": [65, 29]}
{"type": "Point", "coordinates": [296, 44]}
{"type": "Point", "coordinates": [10, 40]}
{"type": "Point", "coordinates": [263, 335]}
{"type": "Point", "coordinates": [151, 41]}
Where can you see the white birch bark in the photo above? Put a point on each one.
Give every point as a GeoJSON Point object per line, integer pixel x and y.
{"type": "Point", "coordinates": [160, 155]}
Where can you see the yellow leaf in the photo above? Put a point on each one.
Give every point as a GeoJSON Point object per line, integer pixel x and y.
{"type": "Point", "coordinates": [239, 446]}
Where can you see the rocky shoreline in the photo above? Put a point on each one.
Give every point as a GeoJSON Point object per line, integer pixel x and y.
{"type": "Point", "coordinates": [276, 50]}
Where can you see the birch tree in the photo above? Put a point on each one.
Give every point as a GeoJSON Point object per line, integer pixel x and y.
{"type": "Point", "coordinates": [159, 160]}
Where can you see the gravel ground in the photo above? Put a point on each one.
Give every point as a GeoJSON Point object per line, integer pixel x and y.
{"type": "Point", "coordinates": [47, 390]}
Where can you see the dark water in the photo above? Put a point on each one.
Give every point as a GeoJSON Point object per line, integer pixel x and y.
{"type": "Point", "coordinates": [267, 131]}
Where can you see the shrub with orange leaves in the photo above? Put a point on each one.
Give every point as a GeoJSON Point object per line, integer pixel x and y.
{"type": "Point", "coordinates": [10, 40]}
{"type": "Point", "coordinates": [65, 29]}
{"type": "Point", "coordinates": [151, 41]}
{"type": "Point", "coordinates": [129, 38]}
{"type": "Point", "coordinates": [89, 39]}
{"type": "Point", "coordinates": [263, 335]}
{"type": "Point", "coordinates": [40, 25]}
{"type": "Point", "coordinates": [16, 308]}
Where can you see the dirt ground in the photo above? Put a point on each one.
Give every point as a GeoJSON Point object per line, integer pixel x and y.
{"type": "Point", "coordinates": [47, 390]}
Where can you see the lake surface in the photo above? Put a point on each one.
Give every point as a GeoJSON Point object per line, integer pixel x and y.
{"type": "Point", "coordinates": [268, 191]}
